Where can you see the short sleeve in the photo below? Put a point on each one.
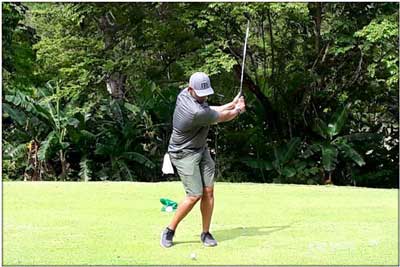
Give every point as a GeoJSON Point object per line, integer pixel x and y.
{"type": "Point", "coordinates": [206, 116]}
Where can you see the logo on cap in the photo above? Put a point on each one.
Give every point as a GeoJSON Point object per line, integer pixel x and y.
{"type": "Point", "coordinates": [204, 85]}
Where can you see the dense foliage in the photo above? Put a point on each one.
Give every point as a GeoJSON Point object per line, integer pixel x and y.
{"type": "Point", "coordinates": [89, 89]}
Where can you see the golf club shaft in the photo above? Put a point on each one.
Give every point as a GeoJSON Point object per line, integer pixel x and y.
{"type": "Point", "coordinates": [244, 57]}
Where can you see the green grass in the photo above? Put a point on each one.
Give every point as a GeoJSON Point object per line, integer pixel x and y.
{"type": "Point", "coordinates": [52, 223]}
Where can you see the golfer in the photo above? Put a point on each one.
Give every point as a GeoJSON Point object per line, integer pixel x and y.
{"type": "Point", "coordinates": [189, 152]}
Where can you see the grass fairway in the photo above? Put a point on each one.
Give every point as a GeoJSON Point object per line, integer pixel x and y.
{"type": "Point", "coordinates": [51, 223]}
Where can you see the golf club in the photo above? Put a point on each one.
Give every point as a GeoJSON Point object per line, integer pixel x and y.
{"type": "Point", "coordinates": [244, 52]}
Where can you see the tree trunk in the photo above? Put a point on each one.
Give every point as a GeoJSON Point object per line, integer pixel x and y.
{"type": "Point", "coordinates": [317, 29]}
{"type": "Point", "coordinates": [290, 127]}
{"type": "Point", "coordinates": [34, 174]}
{"type": "Point", "coordinates": [63, 161]}
{"type": "Point", "coordinates": [108, 31]}
{"type": "Point", "coordinates": [329, 180]}
{"type": "Point", "coordinates": [115, 81]}
{"type": "Point", "coordinates": [264, 52]}
{"type": "Point", "coordinates": [116, 85]}
{"type": "Point", "coordinates": [271, 37]}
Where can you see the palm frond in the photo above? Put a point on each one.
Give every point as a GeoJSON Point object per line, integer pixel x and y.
{"type": "Point", "coordinates": [320, 128]}
{"type": "Point", "coordinates": [350, 153]}
{"type": "Point", "coordinates": [291, 148]}
{"type": "Point", "coordinates": [258, 164]}
{"type": "Point", "coordinates": [47, 146]}
{"type": "Point", "coordinates": [15, 114]}
{"type": "Point", "coordinates": [85, 172]}
{"type": "Point", "coordinates": [11, 152]}
{"type": "Point", "coordinates": [124, 167]}
{"type": "Point", "coordinates": [28, 104]}
{"type": "Point", "coordinates": [139, 158]}
{"type": "Point", "coordinates": [339, 119]}
{"type": "Point", "coordinates": [329, 157]}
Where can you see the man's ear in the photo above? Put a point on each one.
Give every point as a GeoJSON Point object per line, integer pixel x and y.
{"type": "Point", "coordinates": [191, 91]}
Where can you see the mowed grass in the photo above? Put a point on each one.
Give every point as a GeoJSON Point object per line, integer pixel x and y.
{"type": "Point", "coordinates": [51, 223]}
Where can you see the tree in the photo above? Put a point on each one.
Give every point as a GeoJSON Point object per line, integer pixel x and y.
{"type": "Point", "coordinates": [121, 65]}
{"type": "Point", "coordinates": [333, 144]}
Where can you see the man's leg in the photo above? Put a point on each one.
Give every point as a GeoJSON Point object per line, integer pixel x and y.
{"type": "Point", "coordinates": [207, 167]}
{"type": "Point", "coordinates": [189, 172]}
{"type": "Point", "coordinates": [207, 207]}
{"type": "Point", "coordinates": [183, 209]}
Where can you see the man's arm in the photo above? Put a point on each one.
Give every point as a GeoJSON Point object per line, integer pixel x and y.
{"type": "Point", "coordinates": [225, 107]}
{"type": "Point", "coordinates": [228, 115]}
{"type": "Point", "coordinates": [230, 111]}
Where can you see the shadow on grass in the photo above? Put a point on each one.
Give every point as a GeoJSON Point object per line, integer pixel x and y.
{"type": "Point", "coordinates": [187, 242]}
{"type": "Point", "coordinates": [228, 234]}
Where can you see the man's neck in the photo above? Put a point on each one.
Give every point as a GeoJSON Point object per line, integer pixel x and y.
{"type": "Point", "coordinates": [199, 100]}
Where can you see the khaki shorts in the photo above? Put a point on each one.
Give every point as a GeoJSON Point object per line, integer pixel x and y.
{"type": "Point", "coordinates": [195, 168]}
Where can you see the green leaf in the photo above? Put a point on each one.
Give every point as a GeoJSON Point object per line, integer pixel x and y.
{"type": "Point", "coordinates": [288, 171]}
{"type": "Point", "coordinates": [85, 172]}
{"type": "Point", "coordinates": [28, 104]}
{"type": "Point", "coordinates": [64, 145]}
{"type": "Point", "coordinates": [15, 114]}
{"type": "Point", "coordinates": [291, 148]}
{"type": "Point", "coordinates": [15, 99]}
{"type": "Point", "coordinates": [338, 121]}
{"type": "Point", "coordinates": [73, 122]}
{"type": "Point", "coordinates": [363, 137]}
{"type": "Point", "coordinates": [300, 165]}
{"type": "Point", "coordinates": [310, 151]}
{"type": "Point", "coordinates": [128, 172]}
{"type": "Point", "coordinates": [15, 153]}
{"type": "Point", "coordinates": [329, 157]}
{"type": "Point", "coordinates": [139, 158]}
{"type": "Point", "coordinates": [350, 153]}
{"type": "Point", "coordinates": [258, 164]}
{"type": "Point", "coordinates": [320, 128]}
{"type": "Point", "coordinates": [103, 150]}
{"type": "Point", "coordinates": [45, 150]}
{"type": "Point", "coordinates": [132, 108]}
{"type": "Point", "coordinates": [313, 170]}
{"type": "Point", "coordinates": [88, 134]}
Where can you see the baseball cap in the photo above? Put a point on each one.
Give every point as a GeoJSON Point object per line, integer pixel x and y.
{"type": "Point", "coordinates": [200, 82]}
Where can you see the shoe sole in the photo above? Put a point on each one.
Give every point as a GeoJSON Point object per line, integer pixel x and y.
{"type": "Point", "coordinates": [207, 245]}
{"type": "Point", "coordinates": [161, 244]}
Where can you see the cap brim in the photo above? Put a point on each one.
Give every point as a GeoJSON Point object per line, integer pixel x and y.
{"type": "Point", "coordinates": [204, 92]}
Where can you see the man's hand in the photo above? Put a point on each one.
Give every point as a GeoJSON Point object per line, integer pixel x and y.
{"type": "Point", "coordinates": [230, 106]}
{"type": "Point", "coordinates": [240, 104]}
{"type": "Point", "coordinates": [236, 99]}
{"type": "Point", "coordinates": [230, 114]}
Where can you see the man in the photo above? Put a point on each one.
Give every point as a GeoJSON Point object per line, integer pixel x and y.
{"type": "Point", "coordinates": [189, 152]}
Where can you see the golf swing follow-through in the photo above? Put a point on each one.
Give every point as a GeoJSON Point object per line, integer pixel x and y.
{"type": "Point", "coordinates": [189, 153]}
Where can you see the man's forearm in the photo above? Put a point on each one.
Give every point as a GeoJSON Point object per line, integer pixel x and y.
{"type": "Point", "coordinates": [225, 107]}
{"type": "Point", "coordinates": [228, 115]}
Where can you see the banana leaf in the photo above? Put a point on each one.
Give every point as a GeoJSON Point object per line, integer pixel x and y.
{"type": "Point", "coordinates": [329, 157]}
{"type": "Point", "coordinates": [47, 146]}
{"type": "Point", "coordinates": [350, 153]}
